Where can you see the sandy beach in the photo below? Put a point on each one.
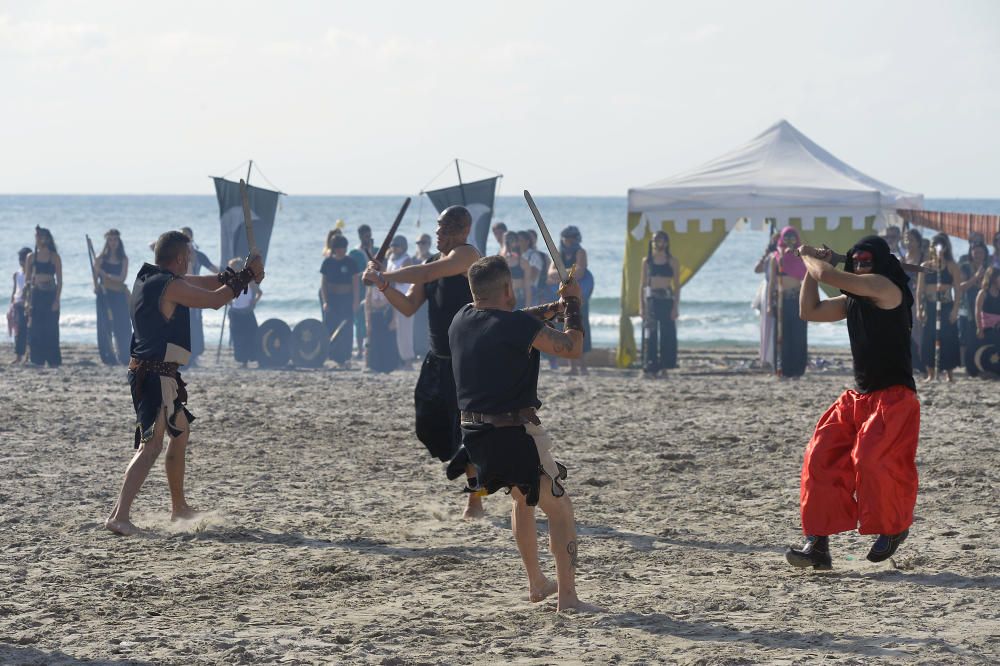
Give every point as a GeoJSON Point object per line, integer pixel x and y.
{"type": "Point", "coordinates": [331, 537]}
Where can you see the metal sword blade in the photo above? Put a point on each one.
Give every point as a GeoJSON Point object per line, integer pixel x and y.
{"type": "Point", "coordinates": [547, 237]}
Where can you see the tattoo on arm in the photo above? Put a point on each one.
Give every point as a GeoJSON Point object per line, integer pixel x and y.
{"type": "Point", "coordinates": [571, 549]}
{"type": "Point", "coordinates": [560, 341]}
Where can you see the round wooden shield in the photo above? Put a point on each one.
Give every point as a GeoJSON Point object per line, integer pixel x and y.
{"type": "Point", "coordinates": [309, 344]}
{"type": "Point", "coordinates": [274, 344]}
{"type": "Point", "coordinates": [987, 359]}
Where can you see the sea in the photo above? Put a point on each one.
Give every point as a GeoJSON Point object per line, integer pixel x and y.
{"type": "Point", "coordinates": [715, 306]}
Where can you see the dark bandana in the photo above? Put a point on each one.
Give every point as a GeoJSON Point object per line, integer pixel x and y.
{"type": "Point", "coordinates": [884, 263]}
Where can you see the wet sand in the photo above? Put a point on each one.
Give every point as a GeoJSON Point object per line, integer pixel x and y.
{"type": "Point", "coordinates": [331, 537]}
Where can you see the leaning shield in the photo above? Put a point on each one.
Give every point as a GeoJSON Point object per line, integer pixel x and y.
{"type": "Point", "coordinates": [987, 359]}
{"type": "Point", "coordinates": [309, 344]}
{"type": "Point", "coordinates": [274, 344]}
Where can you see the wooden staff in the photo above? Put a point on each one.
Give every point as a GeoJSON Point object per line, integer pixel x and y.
{"type": "Point", "coordinates": [28, 291]}
{"type": "Point", "coordinates": [645, 305]}
{"type": "Point", "coordinates": [778, 319]}
{"type": "Point", "coordinates": [940, 311]}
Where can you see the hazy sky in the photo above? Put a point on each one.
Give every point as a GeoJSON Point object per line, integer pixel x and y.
{"type": "Point", "coordinates": [562, 97]}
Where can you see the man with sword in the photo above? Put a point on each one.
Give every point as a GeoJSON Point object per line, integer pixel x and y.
{"type": "Point", "coordinates": [860, 467]}
{"type": "Point", "coordinates": [495, 354]}
{"type": "Point", "coordinates": [441, 281]}
{"type": "Point", "coordinates": [161, 342]}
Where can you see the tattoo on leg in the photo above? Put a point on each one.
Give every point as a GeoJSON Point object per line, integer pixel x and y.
{"type": "Point", "coordinates": [571, 549]}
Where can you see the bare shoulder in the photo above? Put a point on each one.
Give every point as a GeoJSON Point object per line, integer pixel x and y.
{"type": "Point", "coordinates": [464, 254]}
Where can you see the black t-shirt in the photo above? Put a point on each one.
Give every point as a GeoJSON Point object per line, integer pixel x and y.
{"type": "Point", "coordinates": [880, 345]}
{"type": "Point", "coordinates": [338, 271]}
{"type": "Point", "coordinates": [495, 366]}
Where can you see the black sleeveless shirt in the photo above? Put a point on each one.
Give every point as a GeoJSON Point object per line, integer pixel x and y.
{"type": "Point", "coordinates": [880, 345]}
{"type": "Point", "coordinates": [153, 337]}
{"type": "Point", "coordinates": [445, 297]}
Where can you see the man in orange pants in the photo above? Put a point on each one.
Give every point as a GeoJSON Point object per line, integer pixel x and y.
{"type": "Point", "coordinates": [860, 466]}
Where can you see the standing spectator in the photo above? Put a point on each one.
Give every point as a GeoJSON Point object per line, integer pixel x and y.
{"type": "Point", "coordinates": [360, 255]}
{"type": "Point", "coordinates": [517, 261]}
{"type": "Point", "coordinates": [243, 320]}
{"type": "Point", "coordinates": [397, 259]}
{"type": "Point", "coordinates": [17, 321]}
{"type": "Point", "coordinates": [915, 256]}
{"type": "Point", "coordinates": [198, 261]}
{"type": "Point", "coordinates": [112, 270]}
{"type": "Point", "coordinates": [383, 352]}
{"type": "Point", "coordinates": [787, 272]}
{"type": "Point", "coordinates": [988, 319]}
{"type": "Point", "coordinates": [540, 259]}
{"type": "Point", "coordinates": [762, 304]}
{"type": "Point", "coordinates": [421, 334]}
{"type": "Point", "coordinates": [937, 291]}
{"type": "Point", "coordinates": [499, 231]}
{"type": "Point", "coordinates": [340, 298]}
{"type": "Point", "coordinates": [894, 238]}
{"type": "Point", "coordinates": [43, 272]}
{"type": "Point", "coordinates": [661, 295]}
{"type": "Point", "coordinates": [573, 255]}
{"type": "Point", "coordinates": [973, 272]}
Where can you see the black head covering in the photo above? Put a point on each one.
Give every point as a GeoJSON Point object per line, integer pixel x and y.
{"type": "Point", "coordinates": [884, 263]}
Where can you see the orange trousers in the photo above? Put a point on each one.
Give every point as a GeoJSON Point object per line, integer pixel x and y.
{"type": "Point", "coordinates": [860, 467]}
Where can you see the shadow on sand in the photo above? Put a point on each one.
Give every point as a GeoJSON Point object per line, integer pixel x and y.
{"type": "Point", "coordinates": [870, 646]}
{"type": "Point", "coordinates": [357, 543]}
{"type": "Point", "coordinates": [18, 654]}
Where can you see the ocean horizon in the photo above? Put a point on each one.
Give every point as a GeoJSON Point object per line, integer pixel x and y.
{"type": "Point", "coordinates": [715, 304]}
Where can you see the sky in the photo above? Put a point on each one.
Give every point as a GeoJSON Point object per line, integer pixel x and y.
{"type": "Point", "coordinates": [563, 98]}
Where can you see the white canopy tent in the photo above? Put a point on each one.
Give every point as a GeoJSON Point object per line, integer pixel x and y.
{"type": "Point", "coordinates": [781, 175]}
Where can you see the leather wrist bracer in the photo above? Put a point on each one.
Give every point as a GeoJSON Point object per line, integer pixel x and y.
{"type": "Point", "coordinates": [544, 312]}
{"type": "Point", "coordinates": [238, 282]}
{"type": "Point", "coordinates": [574, 318]}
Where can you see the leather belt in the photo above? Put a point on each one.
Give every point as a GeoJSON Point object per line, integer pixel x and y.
{"type": "Point", "coordinates": [503, 419]}
{"type": "Point", "coordinates": [141, 367]}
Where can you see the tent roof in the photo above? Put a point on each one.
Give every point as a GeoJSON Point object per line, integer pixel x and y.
{"type": "Point", "coordinates": [779, 169]}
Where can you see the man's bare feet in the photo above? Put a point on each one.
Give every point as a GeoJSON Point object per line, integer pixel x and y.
{"type": "Point", "coordinates": [543, 591]}
{"type": "Point", "coordinates": [474, 508]}
{"type": "Point", "coordinates": [578, 606]}
{"type": "Point", "coordinates": [186, 513]}
{"type": "Point", "coordinates": [123, 527]}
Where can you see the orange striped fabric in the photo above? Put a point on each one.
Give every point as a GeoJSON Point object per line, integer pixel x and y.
{"type": "Point", "coordinates": [954, 224]}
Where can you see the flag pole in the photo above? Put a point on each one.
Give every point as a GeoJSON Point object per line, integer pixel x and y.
{"type": "Point", "coordinates": [225, 311]}
{"type": "Point", "coordinates": [461, 187]}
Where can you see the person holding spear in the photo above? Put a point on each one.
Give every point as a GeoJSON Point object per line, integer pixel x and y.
{"type": "Point", "coordinates": [442, 283]}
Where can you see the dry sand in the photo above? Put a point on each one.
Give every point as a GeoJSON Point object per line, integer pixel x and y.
{"type": "Point", "coordinates": [333, 538]}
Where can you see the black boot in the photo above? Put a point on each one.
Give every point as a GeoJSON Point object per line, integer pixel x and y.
{"type": "Point", "coordinates": [885, 545]}
{"type": "Point", "coordinates": [815, 553]}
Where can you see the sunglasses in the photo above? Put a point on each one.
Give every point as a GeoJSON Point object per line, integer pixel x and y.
{"type": "Point", "coordinates": [864, 260]}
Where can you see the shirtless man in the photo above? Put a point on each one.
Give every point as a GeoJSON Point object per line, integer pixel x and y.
{"type": "Point", "coordinates": [495, 353]}
{"type": "Point", "coordinates": [441, 282]}
{"type": "Point", "coordinates": [161, 342]}
{"type": "Point", "coordinates": [860, 468]}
